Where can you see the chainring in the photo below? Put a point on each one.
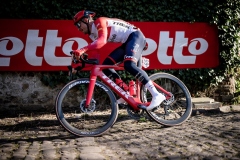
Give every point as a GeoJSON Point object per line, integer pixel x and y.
{"type": "Point", "coordinates": [135, 114]}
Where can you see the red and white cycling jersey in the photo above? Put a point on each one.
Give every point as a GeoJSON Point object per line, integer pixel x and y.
{"type": "Point", "coordinates": [118, 30]}
{"type": "Point", "coordinates": [109, 30]}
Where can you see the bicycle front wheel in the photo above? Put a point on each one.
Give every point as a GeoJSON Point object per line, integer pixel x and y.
{"type": "Point", "coordinates": [175, 110]}
{"type": "Point", "coordinates": [79, 120]}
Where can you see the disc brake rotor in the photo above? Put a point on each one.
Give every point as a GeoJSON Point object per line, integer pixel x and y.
{"type": "Point", "coordinates": [169, 100]}
{"type": "Point", "coordinates": [90, 108]}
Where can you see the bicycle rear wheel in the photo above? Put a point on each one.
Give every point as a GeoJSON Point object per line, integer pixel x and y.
{"type": "Point", "coordinates": [80, 121]}
{"type": "Point", "coordinates": [177, 109]}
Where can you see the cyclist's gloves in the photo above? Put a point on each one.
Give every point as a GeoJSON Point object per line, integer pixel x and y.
{"type": "Point", "coordinates": [77, 53]}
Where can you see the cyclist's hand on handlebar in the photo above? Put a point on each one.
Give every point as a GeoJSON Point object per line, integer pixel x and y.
{"type": "Point", "coordinates": [75, 56]}
{"type": "Point", "coordinates": [76, 63]}
{"type": "Point", "coordinates": [77, 53]}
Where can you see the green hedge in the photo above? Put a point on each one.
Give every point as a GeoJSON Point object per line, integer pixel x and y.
{"type": "Point", "coordinates": [224, 13]}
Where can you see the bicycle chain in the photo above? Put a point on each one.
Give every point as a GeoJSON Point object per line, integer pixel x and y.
{"type": "Point", "coordinates": [134, 114]}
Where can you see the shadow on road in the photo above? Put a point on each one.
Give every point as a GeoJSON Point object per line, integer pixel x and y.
{"type": "Point", "coordinates": [206, 135]}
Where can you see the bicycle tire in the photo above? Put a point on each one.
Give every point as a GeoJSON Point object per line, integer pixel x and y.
{"type": "Point", "coordinates": [175, 111]}
{"type": "Point", "coordinates": [75, 118]}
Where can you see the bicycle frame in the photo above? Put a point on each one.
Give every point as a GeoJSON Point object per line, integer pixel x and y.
{"type": "Point", "coordinates": [75, 116]}
{"type": "Point", "coordinates": [134, 102]}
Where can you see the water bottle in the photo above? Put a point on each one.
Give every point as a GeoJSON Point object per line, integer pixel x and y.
{"type": "Point", "coordinates": [121, 84]}
{"type": "Point", "coordinates": [132, 88]}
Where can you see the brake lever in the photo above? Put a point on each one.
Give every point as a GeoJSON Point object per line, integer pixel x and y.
{"type": "Point", "coordinates": [70, 72]}
{"type": "Point", "coordinates": [83, 57]}
{"type": "Point", "coordinates": [74, 59]}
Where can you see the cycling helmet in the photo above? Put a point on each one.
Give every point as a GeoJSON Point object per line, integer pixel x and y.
{"type": "Point", "coordinates": [83, 14]}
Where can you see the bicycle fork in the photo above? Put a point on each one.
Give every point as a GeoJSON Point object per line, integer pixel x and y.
{"type": "Point", "coordinates": [91, 86]}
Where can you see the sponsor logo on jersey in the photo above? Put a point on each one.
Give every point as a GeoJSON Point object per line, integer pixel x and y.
{"type": "Point", "coordinates": [122, 24]}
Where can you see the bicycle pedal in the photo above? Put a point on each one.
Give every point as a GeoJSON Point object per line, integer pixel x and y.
{"type": "Point", "coordinates": [142, 107]}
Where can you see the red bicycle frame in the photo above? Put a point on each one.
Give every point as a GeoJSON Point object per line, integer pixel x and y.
{"type": "Point", "coordinates": [134, 102]}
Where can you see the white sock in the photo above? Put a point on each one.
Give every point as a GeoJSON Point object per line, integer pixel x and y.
{"type": "Point", "coordinates": [152, 89]}
{"type": "Point", "coordinates": [157, 98]}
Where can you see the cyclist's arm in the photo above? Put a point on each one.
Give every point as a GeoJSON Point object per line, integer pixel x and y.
{"type": "Point", "coordinates": [101, 24]}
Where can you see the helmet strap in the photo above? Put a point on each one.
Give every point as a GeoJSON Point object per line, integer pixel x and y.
{"type": "Point", "coordinates": [88, 27]}
{"type": "Point", "coordinates": [87, 23]}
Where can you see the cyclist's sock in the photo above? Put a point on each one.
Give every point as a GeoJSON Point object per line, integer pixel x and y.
{"type": "Point", "coordinates": [157, 98]}
{"type": "Point", "coordinates": [152, 88]}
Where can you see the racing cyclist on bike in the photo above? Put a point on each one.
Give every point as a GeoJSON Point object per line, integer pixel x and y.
{"type": "Point", "coordinates": [104, 30]}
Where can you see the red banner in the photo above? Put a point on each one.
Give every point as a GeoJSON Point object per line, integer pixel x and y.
{"type": "Point", "coordinates": [44, 45]}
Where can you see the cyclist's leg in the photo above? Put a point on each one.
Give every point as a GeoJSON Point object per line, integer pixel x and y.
{"type": "Point", "coordinates": [114, 57]}
{"type": "Point", "coordinates": [133, 50]}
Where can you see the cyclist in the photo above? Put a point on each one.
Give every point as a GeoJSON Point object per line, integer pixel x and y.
{"type": "Point", "coordinates": [104, 30]}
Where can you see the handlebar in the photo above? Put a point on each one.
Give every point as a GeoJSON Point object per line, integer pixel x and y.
{"type": "Point", "coordinates": [84, 60]}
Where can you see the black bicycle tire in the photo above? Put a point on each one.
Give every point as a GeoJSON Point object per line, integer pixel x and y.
{"type": "Point", "coordinates": [75, 131]}
{"type": "Point", "coordinates": [188, 112]}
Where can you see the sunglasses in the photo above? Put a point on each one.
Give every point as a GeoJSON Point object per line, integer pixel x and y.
{"type": "Point", "coordinates": [78, 25]}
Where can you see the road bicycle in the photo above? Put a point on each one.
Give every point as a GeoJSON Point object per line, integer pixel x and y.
{"type": "Point", "coordinates": [88, 106]}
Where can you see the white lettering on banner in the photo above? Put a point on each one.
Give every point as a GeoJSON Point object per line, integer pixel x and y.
{"type": "Point", "coordinates": [52, 41]}
{"type": "Point", "coordinates": [180, 41]}
{"type": "Point", "coordinates": [69, 43]}
{"type": "Point", "coordinates": [164, 43]}
{"type": "Point", "coordinates": [32, 42]}
{"type": "Point", "coordinates": [17, 47]}
{"type": "Point", "coordinates": [196, 46]}
{"type": "Point", "coordinates": [193, 49]}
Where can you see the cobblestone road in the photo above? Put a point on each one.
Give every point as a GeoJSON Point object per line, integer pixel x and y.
{"type": "Point", "coordinates": [212, 135]}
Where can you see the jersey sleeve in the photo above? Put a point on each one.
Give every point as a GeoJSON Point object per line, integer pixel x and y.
{"type": "Point", "coordinates": [101, 25]}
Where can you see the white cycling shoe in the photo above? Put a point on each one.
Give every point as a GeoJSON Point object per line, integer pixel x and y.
{"type": "Point", "coordinates": [156, 101]}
